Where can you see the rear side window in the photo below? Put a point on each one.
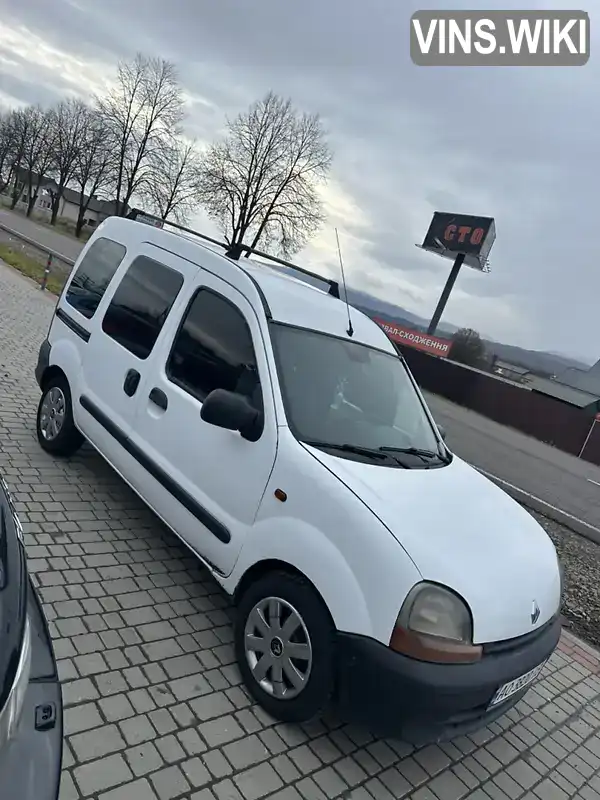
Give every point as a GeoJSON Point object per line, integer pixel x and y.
{"type": "Point", "coordinates": [93, 275]}
{"type": "Point", "coordinates": [141, 304]}
{"type": "Point", "coordinates": [213, 350]}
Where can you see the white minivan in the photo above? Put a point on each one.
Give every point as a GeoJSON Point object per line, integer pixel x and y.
{"type": "Point", "coordinates": [284, 440]}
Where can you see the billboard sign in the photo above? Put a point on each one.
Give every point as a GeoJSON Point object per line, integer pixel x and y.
{"type": "Point", "coordinates": [451, 234]}
{"type": "Point", "coordinates": [399, 334]}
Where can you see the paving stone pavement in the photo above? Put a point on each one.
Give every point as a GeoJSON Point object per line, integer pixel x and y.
{"type": "Point", "coordinates": [154, 708]}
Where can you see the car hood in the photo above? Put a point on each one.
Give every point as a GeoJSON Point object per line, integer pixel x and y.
{"type": "Point", "coordinates": [463, 531]}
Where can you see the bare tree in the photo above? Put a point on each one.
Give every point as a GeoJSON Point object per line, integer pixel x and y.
{"type": "Point", "coordinates": [172, 188]}
{"type": "Point", "coordinates": [20, 131]}
{"type": "Point", "coordinates": [38, 150]}
{"type": "Point", "coordinates": [143, 110]}
{"type": "Point", "coordinates": [260, 182]}
{"type": "Point", "coordinates": [7, 148]}
{"type": "Point", "coordinates": [70, 121]}
{"type": "Point", "coordinates": [94, 162]}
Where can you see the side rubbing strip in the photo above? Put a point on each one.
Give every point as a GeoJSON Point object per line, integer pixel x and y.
{"type": "Point", "coordinates": [188, 502]}
{"type": "Point", "coordinates": [74, 326]}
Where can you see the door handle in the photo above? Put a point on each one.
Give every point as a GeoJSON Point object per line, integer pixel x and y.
{"type": "Point", "coordinates": [131, 382]}
{"type": "Point", "coordinates": [159, 398]}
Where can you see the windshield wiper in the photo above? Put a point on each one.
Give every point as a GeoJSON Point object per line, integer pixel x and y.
{"type": "Point", "coordinates": [379, 452]}
{"type": "Point", "coordinates": [426, 455]}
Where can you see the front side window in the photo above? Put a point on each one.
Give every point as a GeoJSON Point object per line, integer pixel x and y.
{"type": "Point", "coordinates": [141, 304]}
{"type": "Point", "coordinates": [213, 350]}
{"type": "Point", "coordinates": [347, 397]}
{"type": "Point", "coordinates": [94, 273]}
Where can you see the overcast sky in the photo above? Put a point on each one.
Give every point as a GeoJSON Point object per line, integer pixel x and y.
{"type": "Point", "coordinates": [518, 144]}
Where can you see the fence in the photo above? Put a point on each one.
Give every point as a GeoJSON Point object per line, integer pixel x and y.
{"type": "Point", "coordinates": [545, 418]}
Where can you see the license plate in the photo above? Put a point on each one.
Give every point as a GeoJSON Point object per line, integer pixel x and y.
{"type": "Point", "coordinates": [517, 685]}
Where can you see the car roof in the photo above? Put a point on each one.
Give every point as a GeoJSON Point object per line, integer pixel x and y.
{"type": "Point", "coordinates": [295, 302]}
{"type": "Point", "coordinates": [290, 300]}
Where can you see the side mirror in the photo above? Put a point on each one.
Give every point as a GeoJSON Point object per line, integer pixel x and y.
{"type": "Point", "coordinates": [442, 431]}
{"type": "Point", "coordinates": [233, 412]}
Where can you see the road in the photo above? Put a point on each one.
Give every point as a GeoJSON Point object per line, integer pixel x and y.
{"type": "Point", "coordinates": [551, 475]}
{"type": "Point", "coordinates": [63, 244]}
{"type": "Point", "coordinates": [557, 478]}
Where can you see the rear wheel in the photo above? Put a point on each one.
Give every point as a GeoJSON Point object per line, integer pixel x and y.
{"type": "Point", "coordinates": [55, 426]}
{"type": "Point", "coordinates": [284, 640]}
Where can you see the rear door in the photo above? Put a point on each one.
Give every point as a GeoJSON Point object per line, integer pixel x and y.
{"type": "Point", "coordinates": [119, 352]}
{"type": "Point", "coordinates": [76, 315]}
{"type": "Point", "coordinates": [207, 482]}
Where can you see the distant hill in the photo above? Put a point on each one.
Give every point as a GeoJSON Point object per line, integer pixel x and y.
{"type": "Point", "coordinates": [537, 361]}
{"type": "Point", "coordinates": [534, 360]}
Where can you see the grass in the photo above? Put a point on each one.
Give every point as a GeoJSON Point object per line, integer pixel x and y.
{"type": "Point", "coordinates": [30, 267]}
{"type": "Point", "coordinates": [65, 226]}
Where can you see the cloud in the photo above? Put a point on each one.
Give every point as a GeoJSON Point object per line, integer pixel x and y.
{"type": "Point", "coordinates": [30, 60]}
{"type": "Point", "coordinates": [519, 144]}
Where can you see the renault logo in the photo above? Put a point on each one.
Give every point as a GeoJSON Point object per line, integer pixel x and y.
{"type": "Point", "coordinates": [535, 613]}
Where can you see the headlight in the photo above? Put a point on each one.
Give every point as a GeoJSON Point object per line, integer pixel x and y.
{"type": "Point", "coordinates": [11, 713]}
{"type": "Point", "coordinates": [435, 625]}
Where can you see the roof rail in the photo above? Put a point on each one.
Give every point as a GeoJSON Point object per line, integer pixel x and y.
{"type": "Point", "coordinates": [235, 251]}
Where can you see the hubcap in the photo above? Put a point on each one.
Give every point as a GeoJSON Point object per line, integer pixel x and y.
{"type": "Point", "coordinates": [278, 648]}
{"type": "Point", "coordinates": [52, 413]}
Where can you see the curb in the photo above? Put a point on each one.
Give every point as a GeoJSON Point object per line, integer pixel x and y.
{"type": "Point", "coordinates": [546, 509]}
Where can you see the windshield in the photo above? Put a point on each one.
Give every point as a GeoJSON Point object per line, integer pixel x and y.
{"type": "Point", "coordinates": [340, 392]}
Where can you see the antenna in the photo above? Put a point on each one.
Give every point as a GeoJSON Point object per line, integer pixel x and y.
{"type": "Point", "coordinates": [350, 330]}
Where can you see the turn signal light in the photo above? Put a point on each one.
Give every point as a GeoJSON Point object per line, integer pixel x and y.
{"type": "Point", "coordinates": [434, 649]}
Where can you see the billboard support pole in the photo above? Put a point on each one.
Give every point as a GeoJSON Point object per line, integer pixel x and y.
{"type": "Point", "coordinates": [437, 314]}
{"type": "Point", "coordinates": [587, 438]}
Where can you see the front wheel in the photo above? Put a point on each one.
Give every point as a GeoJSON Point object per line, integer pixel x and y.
{"type": "Point", "coordinates": [284, 641]}
{"type": "Point", "coordinates": [56, 431]}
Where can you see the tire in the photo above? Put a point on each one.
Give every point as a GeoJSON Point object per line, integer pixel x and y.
{"type": "Point", "coordinates": [285, 598]}
{"type": "Point", "coordinates": [56, 431]}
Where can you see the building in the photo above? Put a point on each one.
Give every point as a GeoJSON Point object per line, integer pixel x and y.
{"type": "Point", "coordinates": [68, 210]}
{"type": "Point", "coordinates": [97, 211]}
{"type": "Point", "coordinates": [586, 380]}
{"type": "Point", "coordinates": [565, 393]}
{"type": "Point", "coordinates": [512, 372]}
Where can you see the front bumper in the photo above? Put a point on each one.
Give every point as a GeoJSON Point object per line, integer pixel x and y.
{"type": "Point", "coordinates": [398, 696]}
{"type": "Point", "coordinates": [30, 763]}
